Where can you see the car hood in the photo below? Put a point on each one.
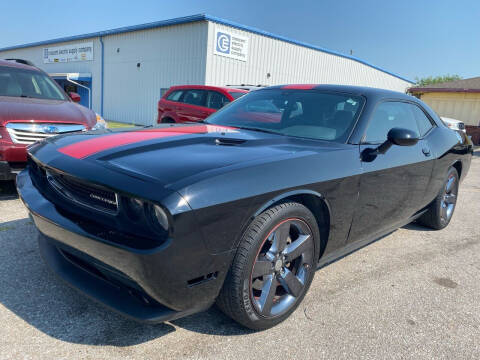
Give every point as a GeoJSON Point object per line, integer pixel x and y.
{"type": "Point", "coordinates": [13, 109]}
{"type": "Point", "coordinates": [169, 156]}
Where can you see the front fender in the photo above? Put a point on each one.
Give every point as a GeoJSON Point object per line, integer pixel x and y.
{"type": "Point", "coordinates": [288, 194]}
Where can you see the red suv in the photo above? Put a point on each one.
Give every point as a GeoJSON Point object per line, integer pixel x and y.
{"type": "Point", "coordinates": [189, 103]}
{"type": "Point", "coordinates": [34, 107]}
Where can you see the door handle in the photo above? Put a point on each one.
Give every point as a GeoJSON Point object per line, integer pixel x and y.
{"type": "Point", "coordinates": [426, 151]}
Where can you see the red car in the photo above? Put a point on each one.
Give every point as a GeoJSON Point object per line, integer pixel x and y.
{"type": "Point", "coordinates": [34, 107]}
{"type": "Point", "coordinates": [189, 103]}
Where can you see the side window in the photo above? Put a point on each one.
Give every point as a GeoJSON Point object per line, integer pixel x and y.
{"type": "Point", "coordinates": [388, 115]}
{"type": "Point", "coordinates": [195, 97]}
{"type": "Point", "coordinates": [423, 122]}
{"type": "Point", "coordinates": [175, 95]}
{"type": "Point", "coordinates": [216, 100]}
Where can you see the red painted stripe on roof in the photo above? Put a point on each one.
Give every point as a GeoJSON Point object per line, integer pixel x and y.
{"type": "Point", "coordinates": [300, 86]}
{"type": "Point", "coordinates": [85, 148]}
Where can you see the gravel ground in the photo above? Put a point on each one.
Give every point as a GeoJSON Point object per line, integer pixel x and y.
{"type": "Point", "coordinates": [413, 294]}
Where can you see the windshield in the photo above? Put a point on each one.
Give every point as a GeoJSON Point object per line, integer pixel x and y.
{"type": "Point", "coordinates": [309, 114]}
{"type": "Point", "coordinates": [16, 82]}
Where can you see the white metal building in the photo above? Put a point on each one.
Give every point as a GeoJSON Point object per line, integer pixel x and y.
{"type": "Point", "coordinates": [126, 70]}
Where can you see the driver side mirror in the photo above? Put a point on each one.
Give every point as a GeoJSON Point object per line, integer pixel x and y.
{"type": "Point", "coordinates": [74, 96]}
{"type": "Point", "coordinates": [402, 137]}
{"type": "Point", "coordinates": [396, 136]}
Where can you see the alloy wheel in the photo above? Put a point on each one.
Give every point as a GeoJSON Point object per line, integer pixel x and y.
{"type": "Point", "coordinates": [281, 268]}
{"type": "Point", "coordinates": [449, 198]}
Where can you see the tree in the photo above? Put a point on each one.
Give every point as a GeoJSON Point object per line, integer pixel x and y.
{"type": "Point", "coordinates": [436, 80]}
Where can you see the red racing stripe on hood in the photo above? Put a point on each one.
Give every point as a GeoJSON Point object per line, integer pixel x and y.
{"type": "Point", "coordinates": [85, 148]}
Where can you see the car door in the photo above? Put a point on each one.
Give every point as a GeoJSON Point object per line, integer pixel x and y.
{"type": "Point", "coordinates": [169, 105]}
{"type": "Point", "coordinates": [392, 185]}
{"type": "Point", "coordinates": [193, 106]}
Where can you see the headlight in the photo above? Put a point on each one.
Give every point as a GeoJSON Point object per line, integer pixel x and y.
{"type": "Point", "coordinates": [145, 212]}
{"type": "Point", "coordinates": [101, 123]}
{"type": "Point", "coordinates": [135, 208]}
{"type": "Point", "coordinates": [136, 205]}
{"type": "Point", "coordinates": [160, 216]}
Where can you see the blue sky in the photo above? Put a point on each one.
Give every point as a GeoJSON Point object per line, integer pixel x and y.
{"type": "Point", "coordinates": [408, 37]}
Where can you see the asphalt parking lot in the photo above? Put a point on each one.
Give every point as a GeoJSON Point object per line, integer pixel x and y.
{"type": "Point", "coordinates": [413, 294]}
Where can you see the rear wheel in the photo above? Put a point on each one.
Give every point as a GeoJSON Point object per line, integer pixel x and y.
{"type": "Point", "coordinates": [273, 268]}
{"type": "Point", "coordinates": [441, 209]}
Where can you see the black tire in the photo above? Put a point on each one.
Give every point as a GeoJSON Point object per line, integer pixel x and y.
{"type": "Point", "coordinates": [245, 296]}
{"type": "Point", "coordinates": [441, 210]}
{"type": "Point", "coordinates": [168, 120]}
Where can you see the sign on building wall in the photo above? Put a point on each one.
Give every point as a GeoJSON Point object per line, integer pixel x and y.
{"type": "Point", "coordinates": [68, 53]}
{"type": "Point", "coordinates": [230, 45]}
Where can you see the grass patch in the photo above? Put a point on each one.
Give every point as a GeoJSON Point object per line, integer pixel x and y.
{"type": "Point", "coordinates": [6, 228]}
{"type": "Point", "coordinates": [117, 125]}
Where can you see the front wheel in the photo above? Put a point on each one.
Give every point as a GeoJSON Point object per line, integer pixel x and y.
{"type": "Point", "coordinates": [273, 268]}
{"type": "Point", "coordinates": [441, 209]}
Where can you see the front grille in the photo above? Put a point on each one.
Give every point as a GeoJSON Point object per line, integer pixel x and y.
{"type": "Point", "coordinates": [107, 220]}
{"type": "Point", "coordinates": [83, 193]}
{"type": "Point", "coordinates": [28, 133]}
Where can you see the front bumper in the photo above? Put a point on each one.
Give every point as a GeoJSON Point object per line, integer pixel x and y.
{"type": "Point", "coordinates": [13, 152]}
{"type": "Point", "coordinates": [176, 279]}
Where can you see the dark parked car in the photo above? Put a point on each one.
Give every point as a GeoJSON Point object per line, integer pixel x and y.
{"type": "Point", "coordinates": [33, 107]}
{"type": "Point", "coordinates": [160, 223]}
{"type": "Point", "coordinates": [193, 103]}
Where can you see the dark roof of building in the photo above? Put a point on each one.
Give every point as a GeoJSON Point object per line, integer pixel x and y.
{"type": "Point", "coordinates": [471, 85]}
{"type": "Point", "coordinates": [195, 18]}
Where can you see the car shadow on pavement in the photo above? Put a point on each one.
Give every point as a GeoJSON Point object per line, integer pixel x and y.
{"type": "Point", "coordinates": [8, 190]}
{"type": "Point", "coordinates": [418, 227]}
{"type": "Point", "coordinates": [31, 292]}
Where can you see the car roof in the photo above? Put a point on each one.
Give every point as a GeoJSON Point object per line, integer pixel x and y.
{"type": "Point", "coordinates": [207, 87]}
{"type": "Point", "coordinates": [9, 63]}
{"type": "Point", "coordinates": [354, 90]}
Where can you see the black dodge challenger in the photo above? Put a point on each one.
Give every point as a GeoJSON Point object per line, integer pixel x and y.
{"type": "Point", "coordinates": [161, 222]}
